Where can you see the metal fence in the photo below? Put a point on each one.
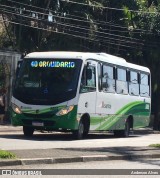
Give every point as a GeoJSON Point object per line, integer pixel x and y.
{"type": "Point", "coordinates": [8, 65]}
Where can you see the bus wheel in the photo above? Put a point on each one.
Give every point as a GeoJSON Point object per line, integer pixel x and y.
{"type": "Point", "coordinates": [78, 134]}
{"type": "Point", "coordinates": [86, 127]}
{"type": "Point", "coordinates": [127, 129]}
{"type": "Point", "coordinates": [28, 131]}
{"type": "Point", "coordinates": [123, 133]}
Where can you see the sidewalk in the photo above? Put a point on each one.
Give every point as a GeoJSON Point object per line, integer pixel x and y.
{"type": "Point", "coordinates": [68, 155]}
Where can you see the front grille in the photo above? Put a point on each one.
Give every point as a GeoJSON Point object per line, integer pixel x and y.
{"type": "Point", "coordinates": [45, 115]}
{"type": "Point", "coordinates": [46, 123]}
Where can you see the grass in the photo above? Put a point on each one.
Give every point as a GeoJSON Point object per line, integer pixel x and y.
{"type": "Point", "coordinates": [157, 145]}
{"type": "Point", "coordinates": [6, 155]}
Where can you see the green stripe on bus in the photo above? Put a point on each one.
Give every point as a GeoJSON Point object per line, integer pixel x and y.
{"type": "Point", "coordinates": [134, 108]}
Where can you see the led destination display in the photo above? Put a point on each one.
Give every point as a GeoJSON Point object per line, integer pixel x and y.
{"type": "Point", "coordinates": [63, 64]}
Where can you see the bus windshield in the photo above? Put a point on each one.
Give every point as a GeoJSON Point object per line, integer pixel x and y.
{"type": "Point", "coordinates": [47, 81]}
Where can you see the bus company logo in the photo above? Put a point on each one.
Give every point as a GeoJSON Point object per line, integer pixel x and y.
{"type": "Point", "coordinates": [106, 105]}
{"type": "Point", "coordinates": [55, 64]}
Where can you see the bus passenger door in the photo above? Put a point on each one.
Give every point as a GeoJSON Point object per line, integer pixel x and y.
{"type": "Point", "coordinates": [87, 99]}
{"type": "Point", "coordinates": [105, 95]}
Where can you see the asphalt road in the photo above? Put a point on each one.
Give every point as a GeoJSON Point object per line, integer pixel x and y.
{"type": "Point", "coordinates": [12, 139]}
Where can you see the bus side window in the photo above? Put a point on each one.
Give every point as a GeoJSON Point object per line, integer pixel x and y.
{"type": "Point", "coordinates": [133, 83]}
{"type": "Point", "coordinates": [144, 85]}
{"type": "Point", "coordinates": [121, 82]}
{"type": "Point", "coordinates": [99, 68]}
{"type": "Point", "coordinates": [19, 63]}
{"type": "Point", "coordinates": [108, 81]}
{"type": "Point", "coordinates": [91, 79]}
{"type": "Point", "coordinates": [88, 81]}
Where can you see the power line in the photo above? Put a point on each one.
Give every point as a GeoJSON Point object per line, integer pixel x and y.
{"type": "Point", "coordinates": [97, 22]}
{"type": "Point", "coordinates": [98, 36]}
{"type": "Point", "coordinates": [80, 28]}
{"type": "Point", "coordinates": [76, 27]}
{"type": "Point", "coordinates": [72, 35]}
{"type": "Point", "coordinates": [110, 8]}
{"type": "Point", "coordinates": [114, 25]}
{"type": "Point", "coordinates": [84, 28]}
{"type": "Point", "coordinates": [93, 39]}
{"type": "Point", "coordinates": [91, 5]}
{"type": "Point", "coordinates": [109, 38]}
{"type": "Point", "coordinates": [81, 37]}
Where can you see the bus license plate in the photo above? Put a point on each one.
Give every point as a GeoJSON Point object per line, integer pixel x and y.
{"type": "Point", "coordinates": [37, 123]}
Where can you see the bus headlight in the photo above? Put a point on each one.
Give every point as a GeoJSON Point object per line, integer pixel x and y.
{"type": "Point", "coordinates": [16, 109]}
{"type": "Point", "coordinates": [65, 110]}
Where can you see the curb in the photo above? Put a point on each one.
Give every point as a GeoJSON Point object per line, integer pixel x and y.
{"type": "Point", "coordinates": [19, 162]}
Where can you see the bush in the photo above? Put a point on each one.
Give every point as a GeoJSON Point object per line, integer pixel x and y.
{"type": "Point", "coordinates": [6, 155]}
{"type": "Point", "coordinates": [155, 145]}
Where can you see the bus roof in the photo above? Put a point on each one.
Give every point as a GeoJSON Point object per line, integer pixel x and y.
{"type": "Point", "coordinates": [104, 57]}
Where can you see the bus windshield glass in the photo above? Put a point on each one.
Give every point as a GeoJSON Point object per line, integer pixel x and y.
{"type": "Point", "coordinates": [47, 81]}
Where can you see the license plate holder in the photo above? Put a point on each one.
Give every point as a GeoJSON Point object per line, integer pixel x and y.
{"type": "Point", "coordinates": [38, 124]}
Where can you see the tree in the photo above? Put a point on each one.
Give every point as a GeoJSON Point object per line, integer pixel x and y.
{"type": "Point", "coordinates": [48, 25]}
{"type": "Point", "coordinates": [148, 21]}
{"type": "Point", "coordinates": [126, 28]}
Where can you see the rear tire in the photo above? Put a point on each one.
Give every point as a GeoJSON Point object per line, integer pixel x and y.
{"type": "Point", "coordinates": [28, 131]}
{"type": "Point", "coordinates": [127, 129]}
{"type": "Point", "coordinates": [123, 133]}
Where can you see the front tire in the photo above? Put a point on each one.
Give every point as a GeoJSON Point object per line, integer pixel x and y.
{"type": "Point", "coordinates": [79, 134]}
{"type": "Point", "coordinates": [28, 131]}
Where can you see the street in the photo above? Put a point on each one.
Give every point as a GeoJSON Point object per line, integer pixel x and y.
{"type": "Point", "coordinates": [99, 167]}
{"type": "Point", "coordinates": [14, 140]}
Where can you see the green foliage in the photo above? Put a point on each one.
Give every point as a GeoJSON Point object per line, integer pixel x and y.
{"type": "Point", "coordinates": [54, 35]}
{"type": "Point", "coordinates": [111, 29]}
{"type": "Point", "coordinates": [4, 39]}
{"type": "Point", "coordinates": [155, 145]}
{"type": "Point", "coordinates": [7, 155]}
{"type": "Point", "coordinates": [49, 36]}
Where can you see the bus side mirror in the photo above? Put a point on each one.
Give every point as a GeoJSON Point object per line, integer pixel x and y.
{"type": "Point", "coordinates": [89, 74]}
{"type": "Point", "coordinates": [18, 67]}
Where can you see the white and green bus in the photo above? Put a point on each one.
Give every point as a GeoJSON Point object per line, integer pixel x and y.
{"type": "Point", "coordinates": [80, 92]}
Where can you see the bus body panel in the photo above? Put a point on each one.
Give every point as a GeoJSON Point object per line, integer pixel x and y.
{"type": "Point", "coordinates": [106, 111]}
{"type": "Point", "coordinates": [114, 115]}
{"type": "Point", "coordinates": [44, 117]}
